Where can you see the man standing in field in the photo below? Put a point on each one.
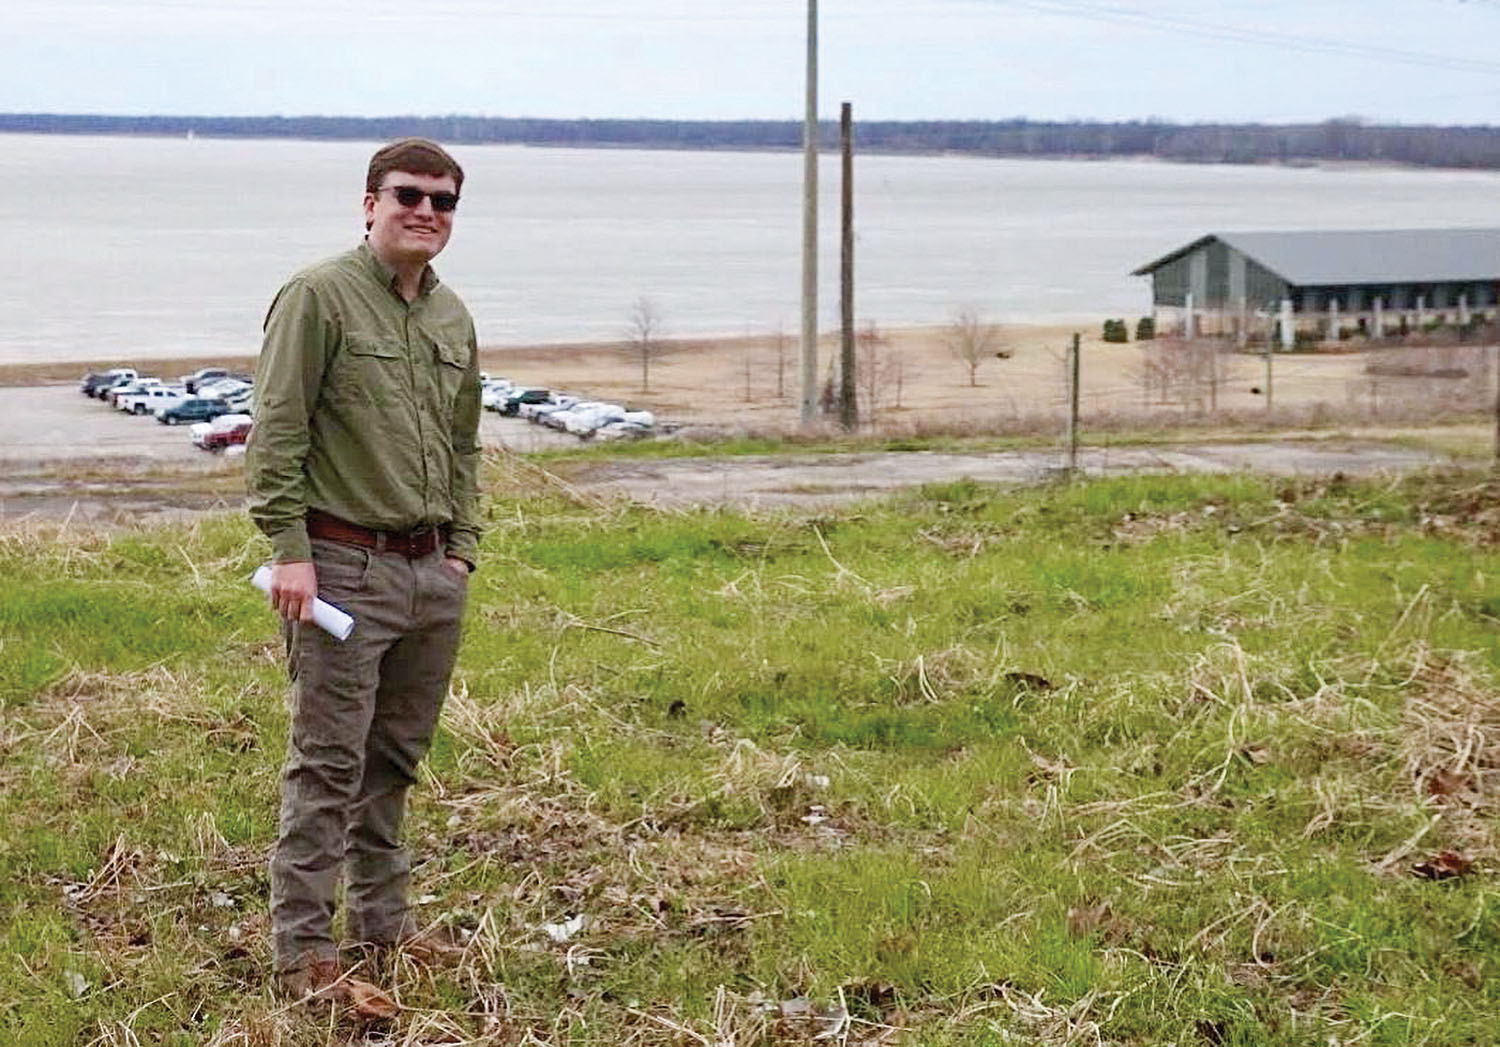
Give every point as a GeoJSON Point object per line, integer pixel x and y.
{"type": "Point", "coordinates": [362, 470]}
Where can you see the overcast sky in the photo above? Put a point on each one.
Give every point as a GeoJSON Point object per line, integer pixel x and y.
{"type": "Point", "coordinates": [1412, 61]}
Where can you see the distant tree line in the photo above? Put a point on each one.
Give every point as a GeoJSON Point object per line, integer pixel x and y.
{"type": "Point", "coordinates": [1344, 139]}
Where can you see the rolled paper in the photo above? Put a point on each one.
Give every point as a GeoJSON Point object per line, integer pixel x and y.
{"type": "Point", "coordinates": [327, 617]}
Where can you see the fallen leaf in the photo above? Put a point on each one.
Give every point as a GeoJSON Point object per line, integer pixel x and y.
{"type": "Point", "coordinates": [1029, 680]}
{"type": "Point", "coordinates": [1083, 922]}
{"type": "Point", "coordinates": [1447, 865]}
{"type": "Point", "coordinates": [370, 1003]}
{"type": "Point", "coordinates": [1256, 754]}
{"type": "Point", "coordinates": [1444, 782]}
{"type": "Point", "coordinates": [879, 995]}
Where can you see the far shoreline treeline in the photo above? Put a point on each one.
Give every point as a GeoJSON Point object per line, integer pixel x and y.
{"type": "Point", "coordinates": [1341, 140]}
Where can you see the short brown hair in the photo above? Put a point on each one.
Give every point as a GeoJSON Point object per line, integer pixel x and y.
{"type": "Point", "coordinates": [417, 155]}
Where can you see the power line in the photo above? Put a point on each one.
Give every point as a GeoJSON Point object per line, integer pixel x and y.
{"type": "Point", "coordinates": [1240, 34]}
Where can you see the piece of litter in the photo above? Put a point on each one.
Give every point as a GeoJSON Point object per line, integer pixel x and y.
{"type": "Point", "coordinates": [427, 899]}
{"type": "Point", "coordinates": [561, 932]}
{"type": "Point", "coordinates": [815, 815]}
{"type": "Point", "coordinates": [77, 984]}
{"type": "Point", "coordinates": [455, 821]}
{"type": "Point", "coordinates": [817, 781]}
{"type": "Point", "coordinates": [220, 900]}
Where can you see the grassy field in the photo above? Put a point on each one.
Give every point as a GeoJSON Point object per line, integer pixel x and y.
{"type": "Point", "coordinates": [1152, 761]}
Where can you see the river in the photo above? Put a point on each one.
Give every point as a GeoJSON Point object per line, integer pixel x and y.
{"type": "Point", "coordinates": [161, 247]}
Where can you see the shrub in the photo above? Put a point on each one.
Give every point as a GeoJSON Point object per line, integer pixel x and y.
{"type": "Point", "coordinates": [1116, 331]}
{"type": "Point", "coordinates": [1145, 329]}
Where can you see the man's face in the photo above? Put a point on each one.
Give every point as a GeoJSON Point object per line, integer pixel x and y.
{"type": "Point", "coordinates": [411, 235]}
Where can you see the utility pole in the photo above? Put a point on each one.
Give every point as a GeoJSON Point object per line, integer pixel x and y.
{"type": "Point", "coordinates": [1497, 406]}
{"type": "Point", "coordinates": [810, 225]}
{"type": "Point", "coordinates": [848, 407]}
{"type": "Point", "coordinates": [1073, 405]}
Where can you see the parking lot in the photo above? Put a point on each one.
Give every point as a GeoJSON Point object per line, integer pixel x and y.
{"type": "Point", "coordinates": [50, 425]}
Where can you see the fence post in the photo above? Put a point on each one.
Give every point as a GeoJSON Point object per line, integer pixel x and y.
{"type": "Point", "coordinates": [1073, 355]}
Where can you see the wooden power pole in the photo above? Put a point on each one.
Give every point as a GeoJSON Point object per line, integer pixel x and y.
{"type": "Point", "coordinates": [810, 225]}
{"type": "Point", "coordinates": [848, 405]}
{"type": "Point", "coordinates": [1073, 405]}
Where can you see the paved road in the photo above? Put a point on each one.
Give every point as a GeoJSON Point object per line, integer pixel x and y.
{"type": "Point", "coordinates": [815, 480]}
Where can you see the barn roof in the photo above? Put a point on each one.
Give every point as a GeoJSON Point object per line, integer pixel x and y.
{"type": "Point", "coordinates": [1370, 256]}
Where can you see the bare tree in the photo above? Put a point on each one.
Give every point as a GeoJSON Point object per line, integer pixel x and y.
{"type": "Point", "coordinates": [870, 345]}
{"type": "Point", "coordinates": [782, 344]}
{"type": "Point", "coordinates": [1180, 371]}
{"type": "Point", "coordinates": [972, 340]}
{"type": "Point", "coordinates": [643, 336]}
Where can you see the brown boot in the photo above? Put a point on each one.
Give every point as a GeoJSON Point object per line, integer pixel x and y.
{"type": "Point", "coordinates": [320, 982]}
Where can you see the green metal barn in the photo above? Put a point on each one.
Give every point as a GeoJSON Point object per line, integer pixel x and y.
{"type": "Point", "coordinates": [1326, 281]}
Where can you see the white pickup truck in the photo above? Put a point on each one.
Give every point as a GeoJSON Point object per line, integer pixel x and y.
{"type": "Point", "coordinates": [150, 399]}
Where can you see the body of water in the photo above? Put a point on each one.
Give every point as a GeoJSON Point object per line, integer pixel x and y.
{"type": "Point", "coordinates": [174, 247]}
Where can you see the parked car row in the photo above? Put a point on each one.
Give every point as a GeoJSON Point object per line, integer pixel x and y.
{"type": "Point", "coordinates": [203, 397]}
{"type": "Point", "coordinates": [586, 419]}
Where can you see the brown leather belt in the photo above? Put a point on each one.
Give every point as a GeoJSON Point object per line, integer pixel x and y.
{"type": "Point", "coordinates": [410, 544]}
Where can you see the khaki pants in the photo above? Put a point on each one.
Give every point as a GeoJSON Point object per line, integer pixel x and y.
{"type": "Point", "coordinates": [363, 713]}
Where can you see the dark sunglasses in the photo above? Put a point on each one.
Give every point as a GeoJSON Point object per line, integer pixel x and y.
{"type": "Point", "coordinates": [411, 196]}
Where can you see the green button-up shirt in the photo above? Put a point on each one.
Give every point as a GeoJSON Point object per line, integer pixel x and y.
{"type": "Point", "coordinates": [366, 407]}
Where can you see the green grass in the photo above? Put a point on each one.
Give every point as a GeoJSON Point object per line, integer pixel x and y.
{"type": "Point", "coordinates": [1138, 761]}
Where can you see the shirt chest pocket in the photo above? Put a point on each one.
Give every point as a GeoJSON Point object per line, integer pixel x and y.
{"type": "Point", "coordinates": [452, 362]}
{"type": "Point", "coordinates": [369, 370]}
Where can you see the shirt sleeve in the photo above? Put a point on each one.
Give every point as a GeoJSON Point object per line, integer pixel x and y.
{"type": "Point", "coordinates": [463, 532]}
{"type": "Point", "coordinates": [300, 336]}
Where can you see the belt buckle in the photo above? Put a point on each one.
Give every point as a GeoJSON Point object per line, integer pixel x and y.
{"type": "Point", "coordinates": [418, 542]}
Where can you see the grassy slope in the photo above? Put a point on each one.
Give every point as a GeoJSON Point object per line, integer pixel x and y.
{"type": "Point", "coordinates": [1147, 761]}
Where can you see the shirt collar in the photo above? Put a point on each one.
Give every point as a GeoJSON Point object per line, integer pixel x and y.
{"type": "Point", "coordinates": [387, 275]}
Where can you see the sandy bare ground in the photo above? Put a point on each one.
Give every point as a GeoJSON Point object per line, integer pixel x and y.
{"type": "Point", "coordinates": [751, 382]}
